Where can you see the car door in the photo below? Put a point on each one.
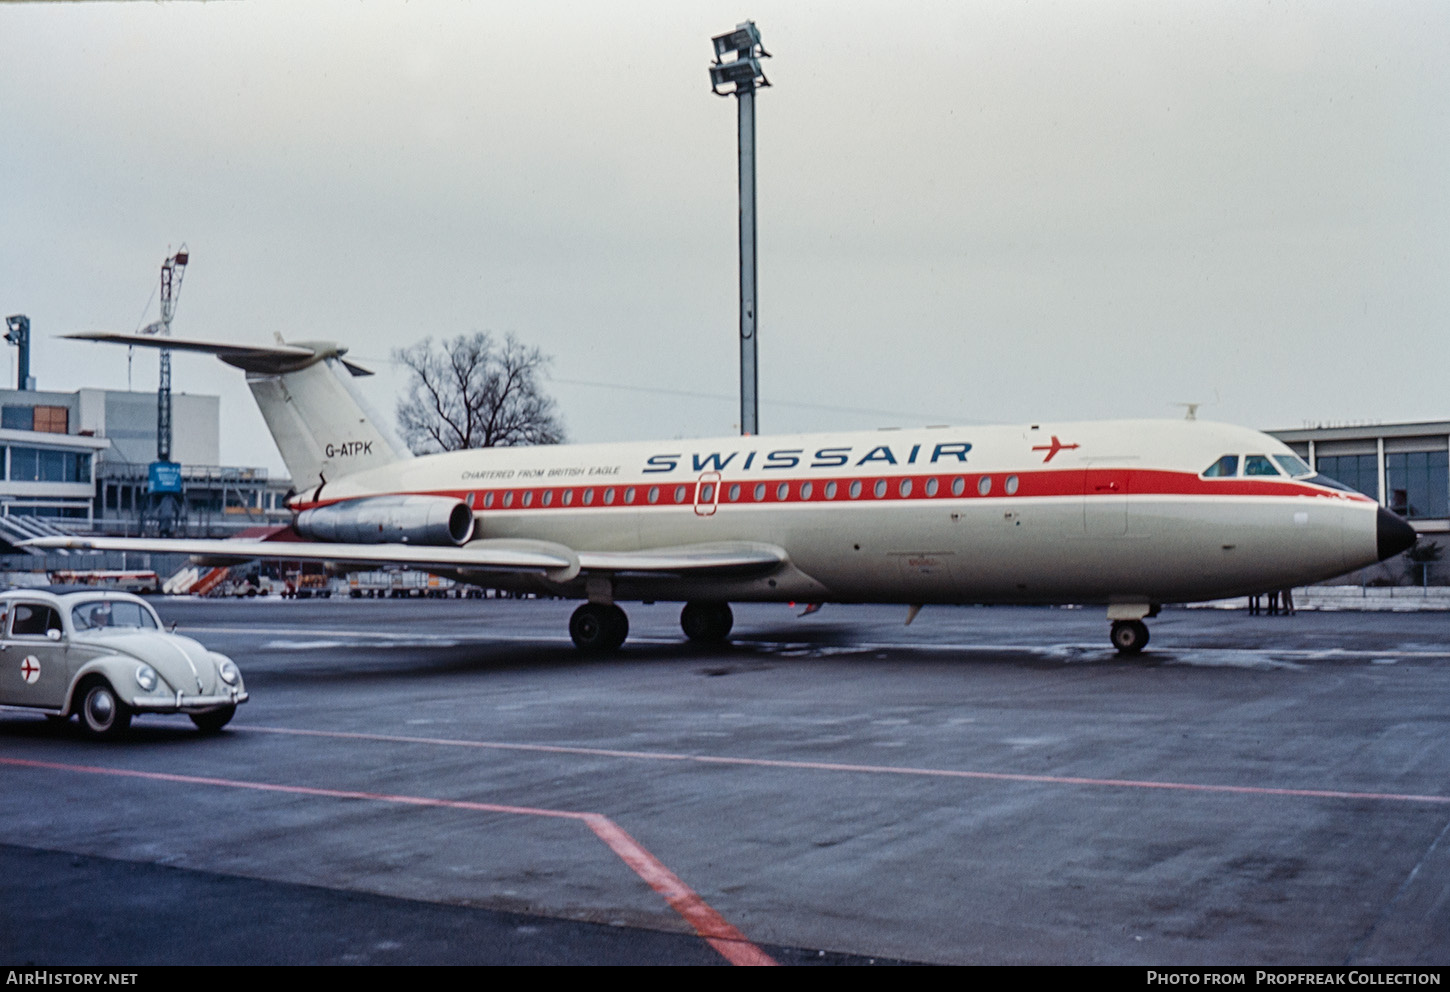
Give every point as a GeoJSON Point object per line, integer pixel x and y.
{"type": "Point", "coordinates": [33, 669]}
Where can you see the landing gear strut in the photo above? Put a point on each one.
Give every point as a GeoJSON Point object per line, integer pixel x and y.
{"type": "Point", "coordinates": [598, 627]}
{"type": "Point", "coordinates": [706, 623]}
{"type": "Point", "coordinates": [1130, 637]}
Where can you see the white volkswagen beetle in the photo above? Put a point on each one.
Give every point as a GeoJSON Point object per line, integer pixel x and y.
{"type": "Point", "coordinates": [105, 655]}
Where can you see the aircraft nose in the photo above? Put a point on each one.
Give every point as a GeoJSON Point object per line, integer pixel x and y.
{"type": "Point", "coordinates": [1393, 533]}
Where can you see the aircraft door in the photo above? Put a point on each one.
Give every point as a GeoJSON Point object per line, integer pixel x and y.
{"type": "Point", "coordinates": [1105, 500]}
{"type": "Point", "coordinates": [707, 494]}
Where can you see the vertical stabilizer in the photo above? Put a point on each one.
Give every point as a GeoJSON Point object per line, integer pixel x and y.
{"type": "Point", "coordinates": [320, 424]}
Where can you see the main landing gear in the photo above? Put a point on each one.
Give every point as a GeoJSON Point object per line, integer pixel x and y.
{"type": "Point", "coordinates": [707, 623]}
{"type": "Point", "coordinates": [600, 628]}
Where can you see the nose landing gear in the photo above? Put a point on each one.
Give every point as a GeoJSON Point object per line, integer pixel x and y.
{"type": "Point", "coordinates": [1129, 636]}
{"type": "Point", "coordinates": [1129, 633]}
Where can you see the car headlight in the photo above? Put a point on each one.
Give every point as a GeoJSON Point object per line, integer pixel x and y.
{"type": "Point", "coordinates": [146, 678]}
{"type": "Point", "coordinates": [228, 671]}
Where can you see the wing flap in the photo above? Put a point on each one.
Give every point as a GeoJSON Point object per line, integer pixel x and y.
{"type": "Point", "coordinates": [732, 558]}
{"type": "Point", "coordinates": [557, 562]}
{"type": "Point", "coordinates": [509, 555]}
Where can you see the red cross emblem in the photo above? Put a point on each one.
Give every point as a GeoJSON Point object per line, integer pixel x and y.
{"type": "Point", "coordinates": [1053, 448]}
{"type": "Point", "coordinates": [30, 669]}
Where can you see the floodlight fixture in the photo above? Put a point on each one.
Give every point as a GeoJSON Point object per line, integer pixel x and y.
{"type": "Point", "coordinates": [743, 41]}
{"type": "Point", "coordinates": [743, 71]}
{"type": "Point", "coordinates": [17, 332]}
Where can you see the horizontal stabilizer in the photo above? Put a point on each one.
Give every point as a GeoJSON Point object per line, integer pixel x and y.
{"type": "Point", "coordinates": [267, 359]}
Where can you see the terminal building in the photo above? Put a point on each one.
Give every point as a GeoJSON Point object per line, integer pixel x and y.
{"type": "Point", "coordinates": [79, 463]}
{"type": "Point", "coordinates": [1406, 467]}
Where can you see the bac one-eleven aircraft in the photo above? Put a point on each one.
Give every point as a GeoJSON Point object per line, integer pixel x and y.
{"type": "Point", "coordinates": [1127, 515]}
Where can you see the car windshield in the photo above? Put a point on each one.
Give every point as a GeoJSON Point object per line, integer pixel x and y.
{"type": "Point", "coordinates": [102, 614]}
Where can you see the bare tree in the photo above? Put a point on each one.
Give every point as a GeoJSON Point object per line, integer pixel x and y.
{"type": "Point", "coordinates": [472, 392]}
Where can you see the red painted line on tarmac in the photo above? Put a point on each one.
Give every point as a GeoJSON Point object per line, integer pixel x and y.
{"type": "Point", "coordinates": [1251, 790]}
{"type": "Point", "coordinates": [731, 943]}
{"type": "Point", "coordinates": [709, 925]}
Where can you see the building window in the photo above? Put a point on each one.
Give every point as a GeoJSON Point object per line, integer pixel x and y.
{"type": "Point", "coordinates": [17, 418]}
{"type": "Point", "coordinates": [48, 465]}
{"type": "Point", "coordinates": [1415, 482]}
{"type": "Point", "coordinates": [52, 419]}
{"type": "Point", "coordinates": [1358, 472]}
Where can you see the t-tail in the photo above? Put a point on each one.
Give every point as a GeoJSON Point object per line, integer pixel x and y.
{"type": "Point", "coordinates": [322, 426]}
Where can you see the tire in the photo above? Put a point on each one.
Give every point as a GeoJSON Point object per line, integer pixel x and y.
{"type": "Point", "coordinates": [212, 721]}
{"type": "Point", "coordinates": [706, 623]}
{"type": "Point", "coordinates": [598, 628]}
{"type": "Point", "coordinates": [1130, 637]}
{"type": "Point", "coordinates": [102, 713]}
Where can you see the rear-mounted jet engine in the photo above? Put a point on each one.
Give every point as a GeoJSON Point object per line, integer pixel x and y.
{"type": "Point", "coordinates": [427, 520]}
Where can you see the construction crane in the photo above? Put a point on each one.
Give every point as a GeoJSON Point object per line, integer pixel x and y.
{"type": "Point", "coordinates": [173, 270]}
{"type": "Point", "coordinates": [166, 497]}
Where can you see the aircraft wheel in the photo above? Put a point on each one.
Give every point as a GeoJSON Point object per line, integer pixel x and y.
{"type": "Point", "coordinates": [707, 623]}
{"type": "Point", "coordinates": [1130, 637]}
{"type": "Point", "coordinates": [598, 627]}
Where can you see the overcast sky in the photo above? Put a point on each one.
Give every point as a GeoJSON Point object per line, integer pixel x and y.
{"type": "Point", "coordinates": [969, 212]}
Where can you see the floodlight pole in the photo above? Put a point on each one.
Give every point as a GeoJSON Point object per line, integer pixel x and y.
{"type": "Point", "coordinates": [744, 73]}
{"type": "Point", "coordinates": [749, 375]}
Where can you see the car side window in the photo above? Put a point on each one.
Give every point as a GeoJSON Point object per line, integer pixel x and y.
{"type": "Point", "coordinates": [33, 620]}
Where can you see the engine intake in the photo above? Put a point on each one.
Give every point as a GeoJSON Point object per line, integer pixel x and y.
{"type": "Point", "coordinates": [428, 520]}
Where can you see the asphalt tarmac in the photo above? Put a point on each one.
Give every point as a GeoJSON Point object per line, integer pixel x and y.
{"type": "Point", "coordinates": [450, 782]}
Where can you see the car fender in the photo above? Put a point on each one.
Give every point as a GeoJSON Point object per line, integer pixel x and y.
{"type": "Point", "coordinates": [118, 669]}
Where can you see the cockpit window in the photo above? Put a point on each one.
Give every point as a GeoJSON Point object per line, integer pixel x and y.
{"type": "Point", "coordinates": [100, 614]}
{"type": "Point", "coordinates": [1259, 465]}
{"type": "Point", "coordinates": [1225, 468]}
{"type": "Point", "coordinates": [1294, 466]}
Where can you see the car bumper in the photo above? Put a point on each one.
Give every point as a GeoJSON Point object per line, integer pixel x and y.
{"type": "Point", "coordinates": [182, 703]}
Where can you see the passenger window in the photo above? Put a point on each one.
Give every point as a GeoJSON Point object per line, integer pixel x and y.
{"type": "Point", "coordinates": [1259, 465]}
{"type": "Point", "coordinates": [1225, 468]}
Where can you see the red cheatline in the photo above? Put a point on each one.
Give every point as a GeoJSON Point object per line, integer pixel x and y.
{"type": "Point", "coordinates": [709, 924]}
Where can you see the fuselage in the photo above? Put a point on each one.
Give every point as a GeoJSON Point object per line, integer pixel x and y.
{"type": "Point", "coordinates": [1096, 512]}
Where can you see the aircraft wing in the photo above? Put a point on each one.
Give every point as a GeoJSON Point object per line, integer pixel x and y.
{"type": "Point", "coordinates": [555, 561]}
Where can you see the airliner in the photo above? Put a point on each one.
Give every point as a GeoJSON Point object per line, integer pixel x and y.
{"type": "Point", "coordinates": [1127, 515]}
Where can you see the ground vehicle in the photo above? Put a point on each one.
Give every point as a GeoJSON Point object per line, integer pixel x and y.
{"type": "Point", "coordinates": [105, 656]}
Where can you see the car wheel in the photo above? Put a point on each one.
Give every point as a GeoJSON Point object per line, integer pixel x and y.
{"type": "Point", "coordinates": [103, 714]}
{"type": "Point", "coordinates": [214, 720]}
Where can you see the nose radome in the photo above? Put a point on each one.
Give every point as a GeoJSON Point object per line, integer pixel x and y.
{"type": "Point", "coordinates": [1393, 533]}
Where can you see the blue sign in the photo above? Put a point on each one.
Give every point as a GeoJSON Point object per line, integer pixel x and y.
{"type": "Point", "coordinates": [165, 477]}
